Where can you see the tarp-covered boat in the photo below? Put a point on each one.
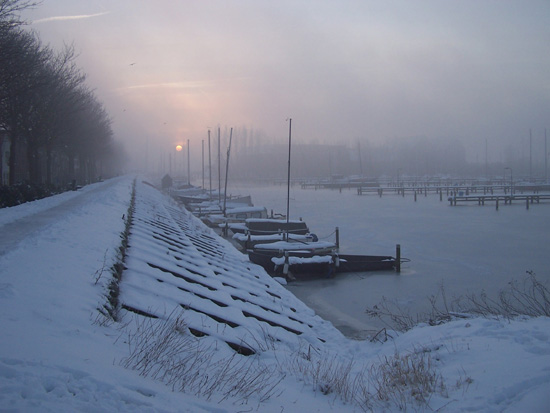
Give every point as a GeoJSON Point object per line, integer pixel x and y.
{"type": "Point", "coordinates": [297, 263]}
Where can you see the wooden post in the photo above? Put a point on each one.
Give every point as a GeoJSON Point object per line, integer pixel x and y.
{"type": "Point", "coordinates": [337, 231]}
{"type": "Point", "coordinates": [286, 265]}
{"type": "Point", "coordinates": [415, 195]}
{"type": "Point", "coordinates": [527, 202]}
{"type": "Point", "coordinates": [440, 196]}
{"type": "Point", "coordinates": [497, 203]}
{"type": "Point", "coordinates": [398, 258]}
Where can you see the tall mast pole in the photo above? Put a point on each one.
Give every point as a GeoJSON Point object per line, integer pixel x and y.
{"type": "Point", "coordinates": [227, 171]}
{"type": "Point", "coordinates": [486, 160]}
{"type": "Point", "coordinates": [545, 158]}
{"type": "Point", "coordinates": [209, 165]}
{"type": "Point", "coordinates": [202, 164]}
{"type": "Point", "coordinates": [530, 157]}
{"type": "Point", "coordinates": [360, 159]}
{"type": "Point", "coordinates": [188, 164]}
{"type": "Point", "coordinates": [288, 180]}
{"type": "Point", "coordinates": [219, 167]}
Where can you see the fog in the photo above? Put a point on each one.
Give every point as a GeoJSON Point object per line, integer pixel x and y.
{"type": "Point", "coordinates": [346, 72]}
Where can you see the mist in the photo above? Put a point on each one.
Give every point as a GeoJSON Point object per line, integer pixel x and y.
{"type": "Point", "coordinates": [470, 74]}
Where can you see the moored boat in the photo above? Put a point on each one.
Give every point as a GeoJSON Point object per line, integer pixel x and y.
{"type": "Point", "coordinates": [301, 263]}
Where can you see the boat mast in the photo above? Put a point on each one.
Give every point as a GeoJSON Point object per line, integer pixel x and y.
{"type": "Point", "coordinates": [288, 181]}
{"type": "Point", "coordinates": [227, 171]}
{"type": "Point", "coordinates": [219, 168]}
{"type": "Point", "coordinates": [209, 165]}
{"type": "Point", "coordinates": [188, 164]}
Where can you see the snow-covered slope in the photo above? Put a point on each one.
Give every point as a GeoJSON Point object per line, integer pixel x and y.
{"type": "Point", "coordinates": [202, 329]}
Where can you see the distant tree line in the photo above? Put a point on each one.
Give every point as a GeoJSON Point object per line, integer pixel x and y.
{"type": "Point", "coordinates": [53, 130]}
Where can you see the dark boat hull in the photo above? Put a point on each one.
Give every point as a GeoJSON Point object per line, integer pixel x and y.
{"type": "Point", "coordinates": [362, 263]}
{"type": "Point", "coordinates": [276, 226]}
{"type": "Point", "coordinates": [347, 263]}
{"type": "Point", "coordinates": [317, 269]}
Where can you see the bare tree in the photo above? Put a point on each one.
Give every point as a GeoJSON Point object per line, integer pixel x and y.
{"type": "Point", "coordinates": [46, 110]}
{"type": "Point", "coordinates": [10, 9]}
{"type": "Point", "coordinates": [20, 78]}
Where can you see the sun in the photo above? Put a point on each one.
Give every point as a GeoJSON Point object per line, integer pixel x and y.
{"type": "Point", "coordinates": [179, 148]}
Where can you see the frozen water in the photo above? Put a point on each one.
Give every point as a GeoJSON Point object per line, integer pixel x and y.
{"type": "Point", "coordinates": [463, 249]}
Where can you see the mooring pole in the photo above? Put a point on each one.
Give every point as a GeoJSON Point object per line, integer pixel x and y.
{"type": "Point", "coordinates": [398, 258]}
{"type": "Point", "coordinates": [337, 238]}
{"type": "Point", "coordinates": [288, 177]}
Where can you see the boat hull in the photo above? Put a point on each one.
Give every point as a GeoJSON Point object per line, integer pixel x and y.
{"type": "Point", "coordinates": [363, 263]}
{"type": "Point", "coordinates": [307, 267]}
{"type": "Point", "coordinates": [303, 264]}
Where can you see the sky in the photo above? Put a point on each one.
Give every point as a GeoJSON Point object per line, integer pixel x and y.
{"type": "Point", "coordinates": [343, 71]}
{"type": "Point", "coordinates": [57, 354]}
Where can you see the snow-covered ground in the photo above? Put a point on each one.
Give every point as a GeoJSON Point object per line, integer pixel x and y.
{"type": "Point", "coordinates": [57, 353]}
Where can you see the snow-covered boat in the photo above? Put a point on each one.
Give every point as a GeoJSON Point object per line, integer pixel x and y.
{"type": "Point", "coordinates": [270, 226]}
{"type": "Point", "coordinates": [315, 262]}
{"type": "Point", "coordinates": [236, 214]}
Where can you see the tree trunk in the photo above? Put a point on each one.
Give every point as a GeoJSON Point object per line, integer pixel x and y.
{"type": "Point", "coordinates": [12, 163]}
{"type": "Point", "coordinates": [33, 162]}
{"type": "Point", "coordinates": [48, 166]}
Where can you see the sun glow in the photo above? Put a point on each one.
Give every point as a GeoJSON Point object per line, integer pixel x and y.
{"type": "Point", "coordinates": [179, 148]}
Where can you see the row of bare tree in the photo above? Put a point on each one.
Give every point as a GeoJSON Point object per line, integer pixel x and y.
{"type": "Point", "coordinates": [57, 130]}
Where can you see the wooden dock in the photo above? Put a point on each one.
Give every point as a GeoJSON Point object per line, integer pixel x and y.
{"type": "Point", "coordinates": [506, 198]}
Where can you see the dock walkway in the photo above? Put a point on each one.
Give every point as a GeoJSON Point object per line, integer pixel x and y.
{"type": "Point", "coordinates": [507, 198]}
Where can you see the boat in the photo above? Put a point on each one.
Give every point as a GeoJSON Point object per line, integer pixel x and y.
{"type": "Point", "coordinates": [295, 264]}
{"type": "Point", "coordinates": [235, 214]}
{"type": "Point", "coordinates": [270, 226]}
{"type": "Point", "coordinates": [215, 206]}
{"type": "Point", "coordinates": [295, 257]}
{"type": "Point", "coordinates": [247, 241]}
{"type": "Point", "coordinates": [302, 256]}
{"type": "Point", "coordinates": [364, 263]}
{"type": "Point", "coordinates": [290, 264]}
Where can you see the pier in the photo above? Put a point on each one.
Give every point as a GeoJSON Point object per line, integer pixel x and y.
{"type": "Point", "coordinates": [507, 199]}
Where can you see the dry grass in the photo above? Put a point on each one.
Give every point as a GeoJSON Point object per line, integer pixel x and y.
{"type": "Point", "coordinates": [528, 297]}
{"type": "Point", "coordinates": [165, 350]}
{"type": "Point", "coordinates": [397, 382]}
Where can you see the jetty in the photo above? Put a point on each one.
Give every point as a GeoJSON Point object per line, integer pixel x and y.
{"type": "Point", "coordinates": [506, 198]}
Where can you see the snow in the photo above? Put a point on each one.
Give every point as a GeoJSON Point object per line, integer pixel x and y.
{"type": "Point", "coordinates": [316, 259]}
{"type": "Point", "coordinates": [270, 238]}
{"type": "Point", "coordinates": [297, 246]}
{"type": "Point", "coordinates": [56, 354]}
